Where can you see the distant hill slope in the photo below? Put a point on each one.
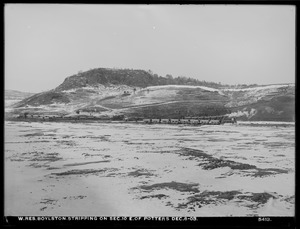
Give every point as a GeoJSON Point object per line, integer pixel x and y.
{"type": "Point", "coordinates": [13, 96]}
{"type": "Point", "coordinates": [137, 93]}
{"type": "Point", "coordinates": [268, 103]}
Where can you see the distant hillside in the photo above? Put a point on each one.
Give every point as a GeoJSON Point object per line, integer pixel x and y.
{"type": "Point", "coordinates": [13, 96]}
{"type": "Point", "coordinates": [265, 103]}
{"type": "Point", "coordinates": [109, 78]}
{"type": "Point", "coordinates": [138, 93]}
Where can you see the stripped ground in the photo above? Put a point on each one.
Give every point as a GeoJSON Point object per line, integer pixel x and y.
{"type": "Point", "coordinates": [147, 170]}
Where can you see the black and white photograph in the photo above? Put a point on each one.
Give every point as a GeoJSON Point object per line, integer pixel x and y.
{"type": "Point", "coordinates": [149, 110]}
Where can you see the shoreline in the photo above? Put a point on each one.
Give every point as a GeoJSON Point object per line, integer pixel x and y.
{"type": "Point", "coordinates": [64, 120]}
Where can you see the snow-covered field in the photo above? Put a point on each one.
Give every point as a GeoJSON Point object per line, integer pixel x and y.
{"type": "Point", "coordinates": [128, 169]}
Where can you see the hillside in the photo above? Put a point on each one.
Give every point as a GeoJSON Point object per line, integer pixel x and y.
{"type": "Point", "coordinates": [137, 93]}
{"type": "Point", "coordinates": [13, 96]}
{"type": "Point", "coordinates": [269, 103]}
{"type": "Point", "coordinates": [16, 95]}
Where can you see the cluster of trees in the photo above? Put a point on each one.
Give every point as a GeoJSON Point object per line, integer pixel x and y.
{"type": "Point", "coordinates": [135, 78]}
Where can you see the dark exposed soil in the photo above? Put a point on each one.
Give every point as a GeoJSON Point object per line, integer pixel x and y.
{"type": "Point", "coordinates": [37, 165]}
{"type": "Point", "coordinates": [93, 155]}
{"type": "Point", "coordinates": [47, 157]}
{"type": "Point", "coordinates": [159, 196]}
{"type": "Point", "coordinates": [66, 142]}
{"type": "Point", "coordinates": [36, 156]}
{"type": "Point", "coordinates": [260, 198]}
{"type": "Point", "coordinates": [212, 162]}
{"type": "Point", "coordinates": [182, 187]}
{"type": "Point", "coordinates": [215, 197]}
{"type": "Point", "coordinates": [206, 197]}
{"type": "Point", "coordinates": [85, 163]}
{"type": "Point", "coordinates": [267, 172]}
{"type": "Point", "coordinates": [140, 172]}
{"type": "Point", "coordinates": [290, 199]}
{"type": "Point", "coordinates": [217, 163]}
{"type": "Point", "coordinates": [34, 134]}
{"type": "Point", "coordinates": [48, 201]}
{"type": "Point", "coordinates": [209, 162]}
{"type": "Point", "coordinates": [80, 172]}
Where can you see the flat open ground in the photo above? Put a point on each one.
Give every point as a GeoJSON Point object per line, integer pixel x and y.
{"type": "Point", "coordinates": [128, 169]}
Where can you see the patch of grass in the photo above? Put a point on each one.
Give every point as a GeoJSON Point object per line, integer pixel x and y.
{"type": "Point", "coordinates": [217, 163]}
{"type": "Point", "coordinates": [36, 156]}
{"type": "Point", "coordinates": [275, 144]}
{"type": "Point", "coordinates": [106, 98]}
{"type": "Point", "coordinates": [66, 142]}
{"type": "Point", "coordinates": [112, 174]}
{"type": "Point", "coordinates": [208, 197]}
{"type": "Point", "coordinates": [17, 159]}
{"type": "Point", "coordinates": [193, 153]}
{"type": "Point", "coordinates": [52, 168]}
{"type": "Point", "coordinates": [140, 172]}
{"type": "Point", "coordinates": [269, 171]}
{"type": "Point", "coordinates": [209, 162]}
{"type": "Point", "coordinates": [48, 201]}
{"type": "Point", "coordinates": [290, 199]}
{"type": "Point", "coordinates": [46, 157]}
{"type": "Point", "coordinates": [260, 198]}
{"type": "Point", "coordinates": [43, 208]}
{"type": "Point", "coordinates": [36, 165]}
{"type": "Point", "coordinates": [92, 155]}
{"type": "Point", "coordinates": [229, 195]}
{"type": "Point", "coordinates": [159, 196]}
{"type": "Point", "coordinates": [75, 197]}
{"type": "Point", "coordinates": [85, 163]}
{"type": "Point", "coordinates": [182, 187]}
{"type": "Point", "coordinates": [262, 173]}
{"type": "Point", "coordinates": [161, 152]}
{"type": "Point", "coordinates": [79, 172]}
{"type": "Point", "coordinates": [212, 162]}
{"type": "Point", "coordinates": [217, 140]}
{"type": "Point", "coordinates": [214, 197]}
{"type": "Point", "coordinates": [34, 134]}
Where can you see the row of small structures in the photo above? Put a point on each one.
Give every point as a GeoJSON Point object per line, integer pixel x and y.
{"type": "Point", "coordinates": [194, 120]}
{"type": "Point", "coordinates": [203, 120]}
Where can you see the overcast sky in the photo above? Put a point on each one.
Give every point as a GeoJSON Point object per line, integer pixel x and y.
{"type": "Point", "coordinates": [231, 44]}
